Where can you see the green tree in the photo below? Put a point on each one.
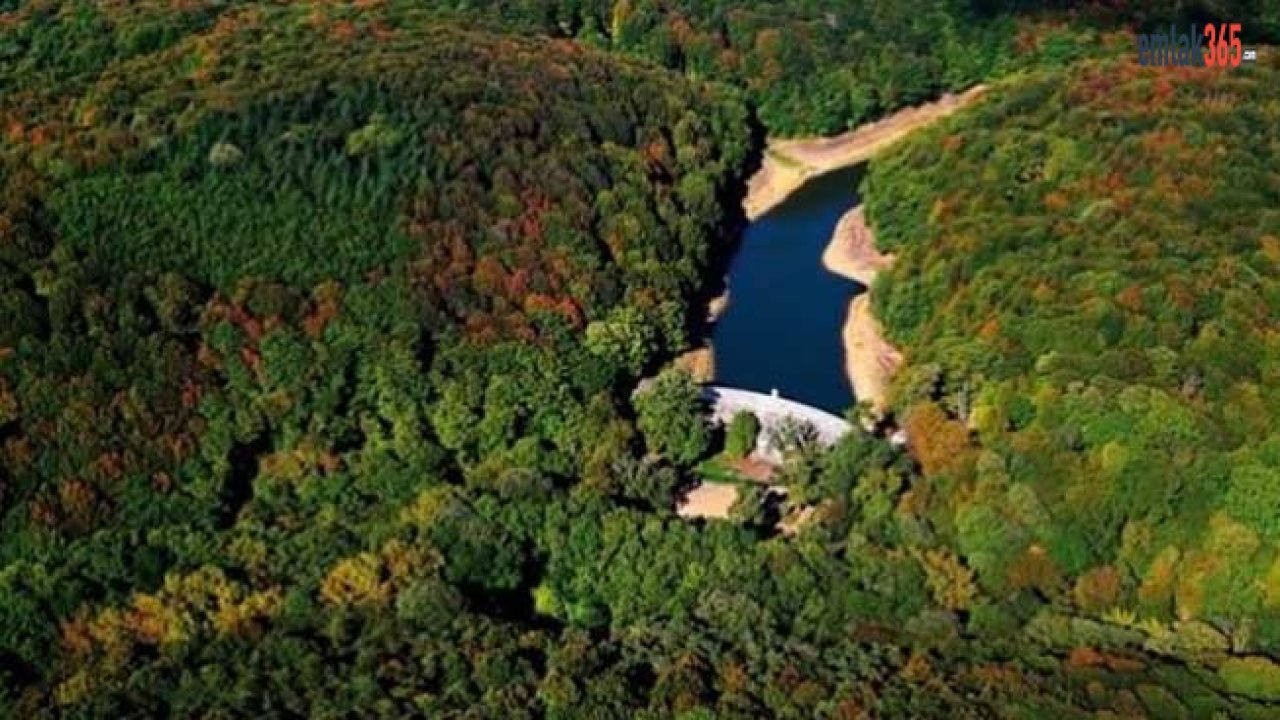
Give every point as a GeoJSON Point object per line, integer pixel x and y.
{"type": "Point", "coordinates": [626, 338]}
{"type": "Point", "coordinates": [671, 416]}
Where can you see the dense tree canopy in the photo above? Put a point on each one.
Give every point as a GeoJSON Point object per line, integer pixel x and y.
{"type": "Point", "coordinates": [320, 321]}
{"type": "Point", "coordinates": [1092, 334]}
{"type": "Point", "coordinates": [821, 66]}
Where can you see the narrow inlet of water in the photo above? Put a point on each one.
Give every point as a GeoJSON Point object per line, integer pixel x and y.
{"type": "Point", "coordinates": [782, 329]}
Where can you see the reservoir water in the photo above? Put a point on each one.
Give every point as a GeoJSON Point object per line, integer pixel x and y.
{"type": "Point", "coordinates": [783, 323]}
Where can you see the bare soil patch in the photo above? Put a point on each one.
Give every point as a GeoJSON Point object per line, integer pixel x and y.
{"type": "Point", "coordinates": [709, 500]}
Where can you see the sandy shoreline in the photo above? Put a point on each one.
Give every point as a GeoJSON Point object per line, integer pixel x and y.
{"type": "Point", "coordinates": [870, 361]}
{"type": "Point", "coordinates": [852, 251]}
{"type": "Point", "coordinates": [788, 164]}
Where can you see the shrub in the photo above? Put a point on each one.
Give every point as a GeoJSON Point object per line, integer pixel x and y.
{"type": "Point", "coordinates": [1255, 677]}
{"type": "Point", "coordinates": [740, 437]}
{"type": "Point", "coordinates": [225, 154]}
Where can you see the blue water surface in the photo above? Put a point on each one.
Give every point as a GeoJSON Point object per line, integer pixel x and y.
{"type": "Point", "coordinates": [782, 328]}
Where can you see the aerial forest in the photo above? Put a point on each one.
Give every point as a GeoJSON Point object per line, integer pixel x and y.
{"type": "Point", "coordinates": [320, 325]}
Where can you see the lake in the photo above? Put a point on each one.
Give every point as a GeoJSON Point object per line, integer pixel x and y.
{"type": "Point", "coordinates": [782, 327]}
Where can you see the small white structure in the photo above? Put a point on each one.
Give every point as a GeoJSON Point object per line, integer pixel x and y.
{"type": "Point", "coordinates": [772, 410]}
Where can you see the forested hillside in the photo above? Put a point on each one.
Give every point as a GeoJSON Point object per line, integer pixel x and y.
{"type": "Point", "coordinates": [813, 66]}
{"type": "Point", "coordinates": [1087, 288]}
{"type": "Point", "coordinates": [319, 324]}
{"type": "Point", "coordinates": [822, 66]}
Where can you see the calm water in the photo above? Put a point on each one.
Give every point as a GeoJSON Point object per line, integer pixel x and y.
{"type": "Point", "coordinates": [782, 327]}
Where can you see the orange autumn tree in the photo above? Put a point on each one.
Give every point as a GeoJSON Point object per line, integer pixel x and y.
{"type": "Point", "coordinates": [939, 442]}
